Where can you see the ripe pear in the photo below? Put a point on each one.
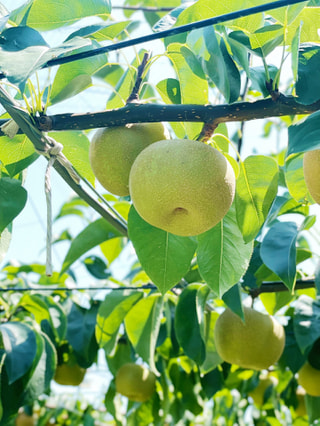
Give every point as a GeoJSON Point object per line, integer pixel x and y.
{"type": "Point", "coordinates": [309, 379]}
{"type": "Point", "coordinates": [311, 171]}
{"type": "Point", "coordinates": [135, 381]}
{"type": "Point", "coordinates": [69, 374]}
{"type": "Point", "coordinates": [301, 409]}
{"type": "Point", "coordinates": [256, 343]}
{"type": "Point", "coordinates": [182, 186]}
{"type": "Point", "coordinates": [114, 149]}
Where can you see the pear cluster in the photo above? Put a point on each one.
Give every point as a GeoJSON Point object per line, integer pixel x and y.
{"type": "Point", "coordinates": [181, 186]}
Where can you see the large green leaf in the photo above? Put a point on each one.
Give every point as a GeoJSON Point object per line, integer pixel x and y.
{"type": "Point", "coordinates": [220, 66]}
{"type": "Point", "coordinates": [13, 198]}
{"type": "Point", "coordinates": [20, 345]}
{"type": "Point", "coordinates": [223, 256]}
{"type": "Point", "coordinates": [306, 322]}
{"type": "Point", "coordinates": [278, 251]}
{"type": "Point", "coordinates": [49, 14]}
{"type": "Point", "coordinates": [76, 149]}
{"type": "Point", "coordinates": [255, 193]}
{"type": "Point", "coordinates": [308, 66]}
{"type": "Point", "coordinates": [305, 135]}
{"type": "Point", "coordinates": [165, 257]}
{"type": "Point", "coordinates": [189, 321]}
{"type": "Point", "coordinates": [193, 84]}
{"type": "Point", "coordinates": [81, 333]}
{"type": "Point", "coordinates": [142, 325]}
{"type": "Point", "coordinates": [100, 32]}
{"type": "Point", "coordinates": [93, 235]}
{"type": "Point", "coordinates": [111, 313]}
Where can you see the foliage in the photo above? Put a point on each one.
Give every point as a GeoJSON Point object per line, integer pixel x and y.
{"type": "Point", "coordinates": [163, 310]}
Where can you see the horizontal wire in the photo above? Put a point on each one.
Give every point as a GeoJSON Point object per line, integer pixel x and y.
{"type": "Point", "coordinates": [173, 31]}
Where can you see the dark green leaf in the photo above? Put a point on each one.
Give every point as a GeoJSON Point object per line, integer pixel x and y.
{"type": "Point", "coordinates": [278, 251]}
{"type": "Point", "coordinates": [259, 78]}
{"type": "Point", "coordinates": [96, 267]}
{"type": "Point", "coordinates": [13, 198]}
{"type": "Point", "coordinates": [306, 322]}
{"type": "Point", "coordinates": [223, 257]}
{"type": "Point", "coordinates": [308, 87]}
{"type": "Point", "coordinates": [232, 298]}
{"type": "Point", "coordinates": [20, 345]}
{"type": "Point", "coordinates": [189, 322]}
{"type": "Point", "coordinates": [94, 234]}
{"type": "Point", "coordinates": [165, 257]}
{"type": "Point", "coordinates": [305, 135]}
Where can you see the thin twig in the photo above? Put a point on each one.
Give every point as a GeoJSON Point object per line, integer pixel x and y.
{"type": "Point", "coordinates": [134, 95]}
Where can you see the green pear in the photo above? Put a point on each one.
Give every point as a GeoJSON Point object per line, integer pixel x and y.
{"type": "Point", "coordinates": [311, 170]}
{"type": "Point", "coordinates": [181, 186]}
{"type": "Point", "coordinates": [255, 343]}
{"type": "Point", "coordinates": [114, 149]}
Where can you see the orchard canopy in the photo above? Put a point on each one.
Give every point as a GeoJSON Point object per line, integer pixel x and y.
{"type": "Point", "coordinates": [239, 76]}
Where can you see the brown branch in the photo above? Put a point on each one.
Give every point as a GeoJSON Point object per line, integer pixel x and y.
{"type": "Point", "coordinates": [134, 95]}
{"type": "Point", "coordinates": [279, 286]}
{"type": "Point", "coordinates": [212, 114]}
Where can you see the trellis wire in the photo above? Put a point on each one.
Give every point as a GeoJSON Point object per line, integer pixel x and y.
{"type": "Point", "coordinates": [173, 31]}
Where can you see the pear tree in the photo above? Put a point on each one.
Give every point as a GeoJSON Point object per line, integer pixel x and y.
{"type": "Point", "coordinates": [186, 137]}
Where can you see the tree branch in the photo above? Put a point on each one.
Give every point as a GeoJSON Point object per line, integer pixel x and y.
{"type": "Point", "coordinates": [279, 286]}
{"type": "Point", "coordinates": [212, 114]}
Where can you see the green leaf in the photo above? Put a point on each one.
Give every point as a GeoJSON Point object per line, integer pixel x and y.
{"type": "Point", "coordinates": [308, 66]}
{"type": "Point", "coordinates": [295, 178]}
{"type": "Point", "coordinates": [275, 301]}
{"type": "Point", "coordinates": [188, 322]}
{"type": "Point", "coordinates": [223, 256]}
{"type": "Point", "coordinates": [306, 322]}
{"type": "Point", "coordinates": [81, 333]}
{"type": "Point", "coordinates": [212, 359]}
{"type": "Point", "coordinates": [267, 38]}
{"type": "Point", "coordinates": [15, 150]}
{"type": "Point", "coordinates": [278, 251]}
{"type": "Point", "coordinates": [50, 14]}
{"type": "Point", "coordinates": [232, 298]}
{"type": "Point", "coordinates": [76, 149]}
{"type": "Point", "coordinates": [19, 65]}
{"type": "Point", "coordinates": [94, 234]}
{"type": "Point", "coordinates": [20, 345]}
{"type": "Point", "coordinates": [13, 198]}
{"type": "Point", "coordinates": [100, 32]}
{"type": "Point", "coordinates": [74, 77]}
{"type": "Point", "coordinates": [193, 84]}
{"type": "Point", "coordinates": [111, 313]}
{"type": "Point", "coordinates": [220, 66]}
{"type": "Point", "coordinates": [305, 135]}
{"type": "Point", "coordinates": [255, 192]}
{"type": "Point", "coordinates": [258, 78]}
{"type": "Point", "coordinates": [142, 325]}
{"type": "Point", "coordinates": [46, 311]}
{"type": "Point", "coordinates": [165, 257]}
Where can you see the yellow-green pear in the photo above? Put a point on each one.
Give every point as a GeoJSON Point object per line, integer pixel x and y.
{"type": "Point", "coordinates": [311, 171]}
{"type": "Point", "coordinates": [309, 379]}
{"type": "Point", "coordinates": [114, 149]}
{"type": "Point", "coordinates": [258, 394]}
{"type": "Point", "coordinates": [257, 343]}
{"type": "Point", "coordinates": [135, 381]}
{"type": "Point", "coordinates": [182, 186]}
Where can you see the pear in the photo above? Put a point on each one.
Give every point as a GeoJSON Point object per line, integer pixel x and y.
{"type": "Point", "coordinates": [257, 343]}
{"type": "Point", "coordinates": [182, 186]}
{"type": "Point", "coordinates": [114, 149]}
{"type": "Point", "coordinates": [135, 381]}
{"type": "Point", "coordinates": [311, 171]}
{"type": "Point", "coordinates": [309, 379]}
